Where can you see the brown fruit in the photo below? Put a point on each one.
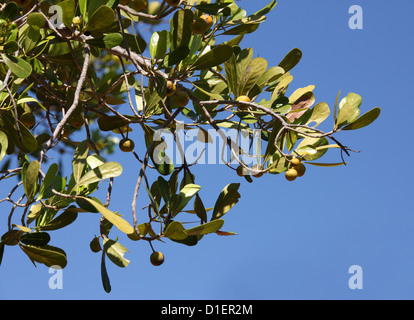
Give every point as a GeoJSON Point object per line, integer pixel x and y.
{"type": "Point", "coordinates": [240, 171]}
{"type": "Point", "coordinates": [157, 258]}
{"type": "Point", "coordinates": [170, 88]}
{"type": "Point", "coordinates": [140, 5]}
{"type": "Point", "coordinates": [77, 121]}
{"type": "Point", "coordinates": [199, 26]}
{"type": "Point", "coordinates": [173, 3]}
{"type": "Point", "coordinates": [126, 145]}
{"type": "Point", "coordinates": [28, 119]}
{"type": "Point", "coordinates": [256, 170]}
{"type": "Point", "coordinates": [208, 19]}
{"type": "Point", "coordinates": [181, 98]}
{"type": "Point", "coordinates": [301, 169]}
{"type": "Point", "coordinates": [291, 174]}
{"type": "Point", "coordinates": [124, 2]}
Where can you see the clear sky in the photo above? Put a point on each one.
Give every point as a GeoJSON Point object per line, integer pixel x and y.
{"type": "Point", "coordinates": [295, 240]}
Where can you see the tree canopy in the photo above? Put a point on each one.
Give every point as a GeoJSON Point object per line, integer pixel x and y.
{"type": "Point", "coordinates": [83, 68]}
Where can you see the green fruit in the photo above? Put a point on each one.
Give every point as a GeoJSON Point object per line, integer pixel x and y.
{"type": "Point", "coordinates": [140, 5]}
{"type": "Point", "coordinates": [126, 145]}
{"type": "Point", "coordinates": [28, 119]}
{"type": "Point", "coordinates": [181, 98]}
{"type": "Point", "coordinates": [291, 174]}
{"type": "Point", "coordinates": [157, 258]}
{"type": "Point", "coordinates": [199, 26]}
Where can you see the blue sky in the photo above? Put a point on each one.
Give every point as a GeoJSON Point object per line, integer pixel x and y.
{"type": "Point", "coordinates": [295, 240]}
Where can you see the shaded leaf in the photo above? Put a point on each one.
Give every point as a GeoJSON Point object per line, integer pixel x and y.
{"type": "Point", "coordinates": [115, 252]}
{"type": "Point", "coordinates": [228, 197]}
{"type": "Point", "coordinates": [48, 255]}
{"type": "Point", "coordinates": [112, 217]}
{"type": "Point", "coordinates": [206, 228]}
{"type": "Point", "coordinates": [364, 120]}
{"type": "Point", "coordinates": [105, 171]}
{"type": "Point", "coordinates": [175, 231]}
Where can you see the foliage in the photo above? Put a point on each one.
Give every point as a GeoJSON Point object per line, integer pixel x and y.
{"type": "Point", "coordinates": [82, 66]}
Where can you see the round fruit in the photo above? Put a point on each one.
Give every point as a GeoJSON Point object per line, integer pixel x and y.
{"type": "Point", "coordinates": [173, 3]}
{"type": "Point", "coordinates": [243, 99]}
{"type": "Point", "coordinates": [124, 2]}
{"type": "Point", "coordinates": [28, 119]}
{"type": "Point", "coordinates": [291, 174]}
{"type": "Point", "coordinates": [95, 245]}
{"type": "Point", "coordinates": [208, 19]}
{"type": "Point", "coordinates": [181, 98]}
{"type": "Point", "coordinates": [157, 258]}
{"type": "Point", "coordinates": [140, 5]}
{"type": "Point", "coordinates": [256, 170]}
{"type": "Point", "coordinates": [295, 162]}
{"type": "Point", "coordinates": [77, 121]}
{"type": "Point", "coordinates": [301, 169]}
{"type": "Point", "coordinates": [199, 26]}
{"type": "Point", "coordinates": [126, 145]}
{"type": "Point", "coordinates": [240, 171]}
{"type": "Point", "coordinates": [170, 88]}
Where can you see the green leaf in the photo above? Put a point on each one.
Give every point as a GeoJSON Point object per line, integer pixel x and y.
{"type": "Point", "coordinates": [228, 197]}
{"type": "Point", "coordinates": [326, 164]}
{"type": "Point", "coordinates": [115, 252]}
{"type": "Point", "coordinates": [175, 231]}
{"type": "Point", "coordinates": [185, 195]}
{"type": "Point", "coordinates": [346, 114]}
{"type": "Point", "coordinates": [112, 217]}
{"type": "Point", "coordinates": [291, 59]}
{"type": "Point", "coordinates": [353, 99]}
{"type": "Point", "coordinates": [38, 239]}
{"type": "Point", "coordinates": [206, 228]}
{"type": "Point", "coordinates": [364, 120]}
{"type": "Point", "coordinates": [243, 29]}
{"type": "Point", "coordinates": [18, 66]}
{"type": "Point", "coordinates": [104, 275]}
{"type": "Point", "coordinates": [9, 12]}
{"type": "Point", "coordinates": [312, 148]}
{"type": "Point", "coordinates": [164, 189]}
{"type": "Point", "coordinates": [105, 171]}
{"type": "Point", "coordinates": [320, 112]}
{"type": "Point", "coordinates": [4, 143]}
{"type": "Point", "coordinates": [64, 219]}
{"type": "Point", "coordinates": [159, 44]}
{"type": "Point", "coordinates": [30, 179]}
{"type": "Point", "coordinates": [9, 126]}
{"type": "Point", "coordinates": [176, 56]}
{"type": "Point", "coordinates": [108, 41]}
{"type": "Point", "coordinates": [68, 12]}
{"type": "Point", "coordinates": [255, 70]}
{"type": "Point", "coordinates": [213, 8]}
{"type": "Point", "coordinates": [135, 43]}
{"type": "Point", "coordinates": [213, 58]}
{"type": "Point", "coordinates": [79, 160]}
{"type": "Point", "coordinates": [101, 20]}
{"type": "Point", "coordinates": [47, 181]}
{"type": "Point", "coordinates": [48, 255]}
{"type": "Point", "coordinates": [181, 31]}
